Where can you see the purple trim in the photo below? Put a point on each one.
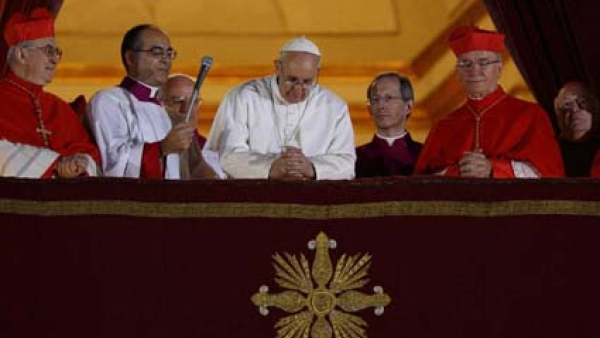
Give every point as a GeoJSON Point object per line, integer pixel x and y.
{"type": "Point", "coordinates": [141, 92]}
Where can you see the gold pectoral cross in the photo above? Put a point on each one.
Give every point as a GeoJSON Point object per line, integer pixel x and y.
{"type": "Point", "coordinates": [41, 127]}
{"type": "Point", "coordinates": [45, 133]}
{"type": "Point", "coordinates": [37, 107]}
{"type": "Point", "coordinates": [478, 116]}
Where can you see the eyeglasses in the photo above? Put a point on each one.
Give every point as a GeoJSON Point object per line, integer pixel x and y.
{"type": "Point", "coordinates": [383, 99]}
{"type": "Point", "coordinates": [159, 52]}
{"type": "Point", "coordinates": [307, 84]}
{"type": "Point", "coordinates": [293, 81]}
{"type": "Point", "coordinates": [482, 63]}
{"type": "Point", "coordinates": [48, 50]}
{"type": "Point", "coordinates": [177, 102]}
{"type": "Point", "coordinates": [570, 105]}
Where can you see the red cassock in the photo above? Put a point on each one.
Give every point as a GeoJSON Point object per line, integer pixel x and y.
{"type": "Point", "coordinates": [509, 129]}
{"type": "Point", "coordinates": [378, 158]}
{"type": "Point", "coordinates": [18, 120]}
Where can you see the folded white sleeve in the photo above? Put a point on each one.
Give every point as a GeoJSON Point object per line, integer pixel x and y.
{"type": "Point", "coordinates": [22, 160]}
{"type": "Point", "coordinates": [524, 170]}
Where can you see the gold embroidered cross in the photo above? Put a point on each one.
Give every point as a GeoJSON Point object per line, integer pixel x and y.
{"type": "Point", "coordinates": [321, 310]}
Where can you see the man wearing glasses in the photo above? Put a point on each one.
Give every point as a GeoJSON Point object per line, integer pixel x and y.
{"type": "Point", "coordinates": [132, 129]}
{"type": "Point", "coordinates": [493, 134]}
{"type": "Point", "coordinates": [285, 126]}
{"type": "Point", "coordinates": [40, 135]}
{"type": "Point", "coordinates": [577, 111]}
{"type": "Point", "coordinates": [392, 151]}
{"type": "Point", "coordinates": [175, 96]}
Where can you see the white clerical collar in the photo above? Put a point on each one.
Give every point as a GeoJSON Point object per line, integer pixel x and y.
{"type": "Point", "coordinates": [153, 90]}
{"type": "Point", "coordinates": [392, 139]}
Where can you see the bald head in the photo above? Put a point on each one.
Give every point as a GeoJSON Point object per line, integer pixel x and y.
{"type": "Point", "coordinates": [175, 96]}
{"type": "Point", "coordinates": [180, 80]}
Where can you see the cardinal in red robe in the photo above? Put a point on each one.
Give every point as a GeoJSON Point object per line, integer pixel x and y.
{"type": "Point", "coordinates": [40, 135]}
{"type": "Point", "coordinates": [493, 134]}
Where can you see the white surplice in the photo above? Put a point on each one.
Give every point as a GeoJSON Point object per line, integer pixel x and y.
{"type": "Point", "coordinates": [121, 125]}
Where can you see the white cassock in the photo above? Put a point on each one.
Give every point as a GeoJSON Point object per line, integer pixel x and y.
{"type": "Point", "coordinates": [27, 161]}
{"type": "Point", "coordinates": [254, 123]}
{"type": "Point", "coordinates": [122, 124]}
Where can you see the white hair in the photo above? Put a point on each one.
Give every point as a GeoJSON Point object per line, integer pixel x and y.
{"type": "Point", "coordinates": [10, 54]}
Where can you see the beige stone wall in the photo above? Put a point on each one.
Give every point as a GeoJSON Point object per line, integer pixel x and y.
{"type": "Point", "coordinates": [358, 39]}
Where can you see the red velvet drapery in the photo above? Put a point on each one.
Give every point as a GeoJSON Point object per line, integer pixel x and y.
{"type": "Point", "coordinates": [110, 258]}
{"type": "Point", "coordinates": [552, 41]}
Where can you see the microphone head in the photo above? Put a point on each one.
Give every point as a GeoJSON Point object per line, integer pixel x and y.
{"type": "Point", "coordinates": [207, 61]}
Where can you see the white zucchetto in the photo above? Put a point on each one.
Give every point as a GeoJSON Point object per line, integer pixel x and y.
{"type": "Point", "coordinates": [301, 44]}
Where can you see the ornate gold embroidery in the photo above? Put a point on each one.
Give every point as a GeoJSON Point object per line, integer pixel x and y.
{"type": "Point", "coordinates": [321, 301]}
{"type": "Point", "coordinates": [300, 211]}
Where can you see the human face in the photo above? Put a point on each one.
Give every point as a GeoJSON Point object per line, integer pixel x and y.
{"type": "Point", "coordinates": [175, 96]}
{"type": "Point", "coordinates": [574, 118]}
{"type": "Point", "coordinates": [146, 67]}
{"type": "Point", "coordinates": [479, 71]}
{"type": "Point", "coordinates": [387, 108]}
{"type": "Point", "coordinates": [297, 74]}
{"type": "Point", "coordinates": [40, 57]}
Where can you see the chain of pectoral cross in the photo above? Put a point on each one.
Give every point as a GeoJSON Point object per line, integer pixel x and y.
{"type": "Point", "coordinates": [478, 116]}
{"type": "Point", "coordinates": [38, 113]}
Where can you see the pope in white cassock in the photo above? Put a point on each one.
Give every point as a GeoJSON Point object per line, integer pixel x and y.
{"type": "Point", "coordinates": [285, 126]}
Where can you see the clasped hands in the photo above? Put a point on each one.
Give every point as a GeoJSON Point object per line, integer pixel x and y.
{"type": "Point", "coordinates": [70, 166]}
{"type": "Point", "coordinates": [475, 164]}
{"type": "Point", "coordinates": [292, 165]}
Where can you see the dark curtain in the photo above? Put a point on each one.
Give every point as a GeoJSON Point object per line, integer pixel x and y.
{"type": "Point", "coordinates": [551, 41]}
{"type": "Point", "coordinates": [9, 7]}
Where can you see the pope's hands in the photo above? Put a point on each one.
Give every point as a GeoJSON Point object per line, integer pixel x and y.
{"type": "Point", "coordinates": [292, 164]}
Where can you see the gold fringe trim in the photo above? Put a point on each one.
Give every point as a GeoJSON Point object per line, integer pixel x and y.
{"type": "Point", "coordinates": [301, 211]}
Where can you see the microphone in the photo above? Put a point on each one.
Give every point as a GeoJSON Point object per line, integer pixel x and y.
{"type": "Point", "coordinates": [207, 62]}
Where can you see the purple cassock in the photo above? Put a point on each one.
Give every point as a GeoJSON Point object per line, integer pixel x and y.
{"type": "Point", "coordinates": [378, 158]}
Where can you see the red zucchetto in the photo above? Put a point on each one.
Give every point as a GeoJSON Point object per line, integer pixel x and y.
{"type": "Point", "coordinates": [464, 39]}
{"type": "Point", "coordinates": [39, 24]}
